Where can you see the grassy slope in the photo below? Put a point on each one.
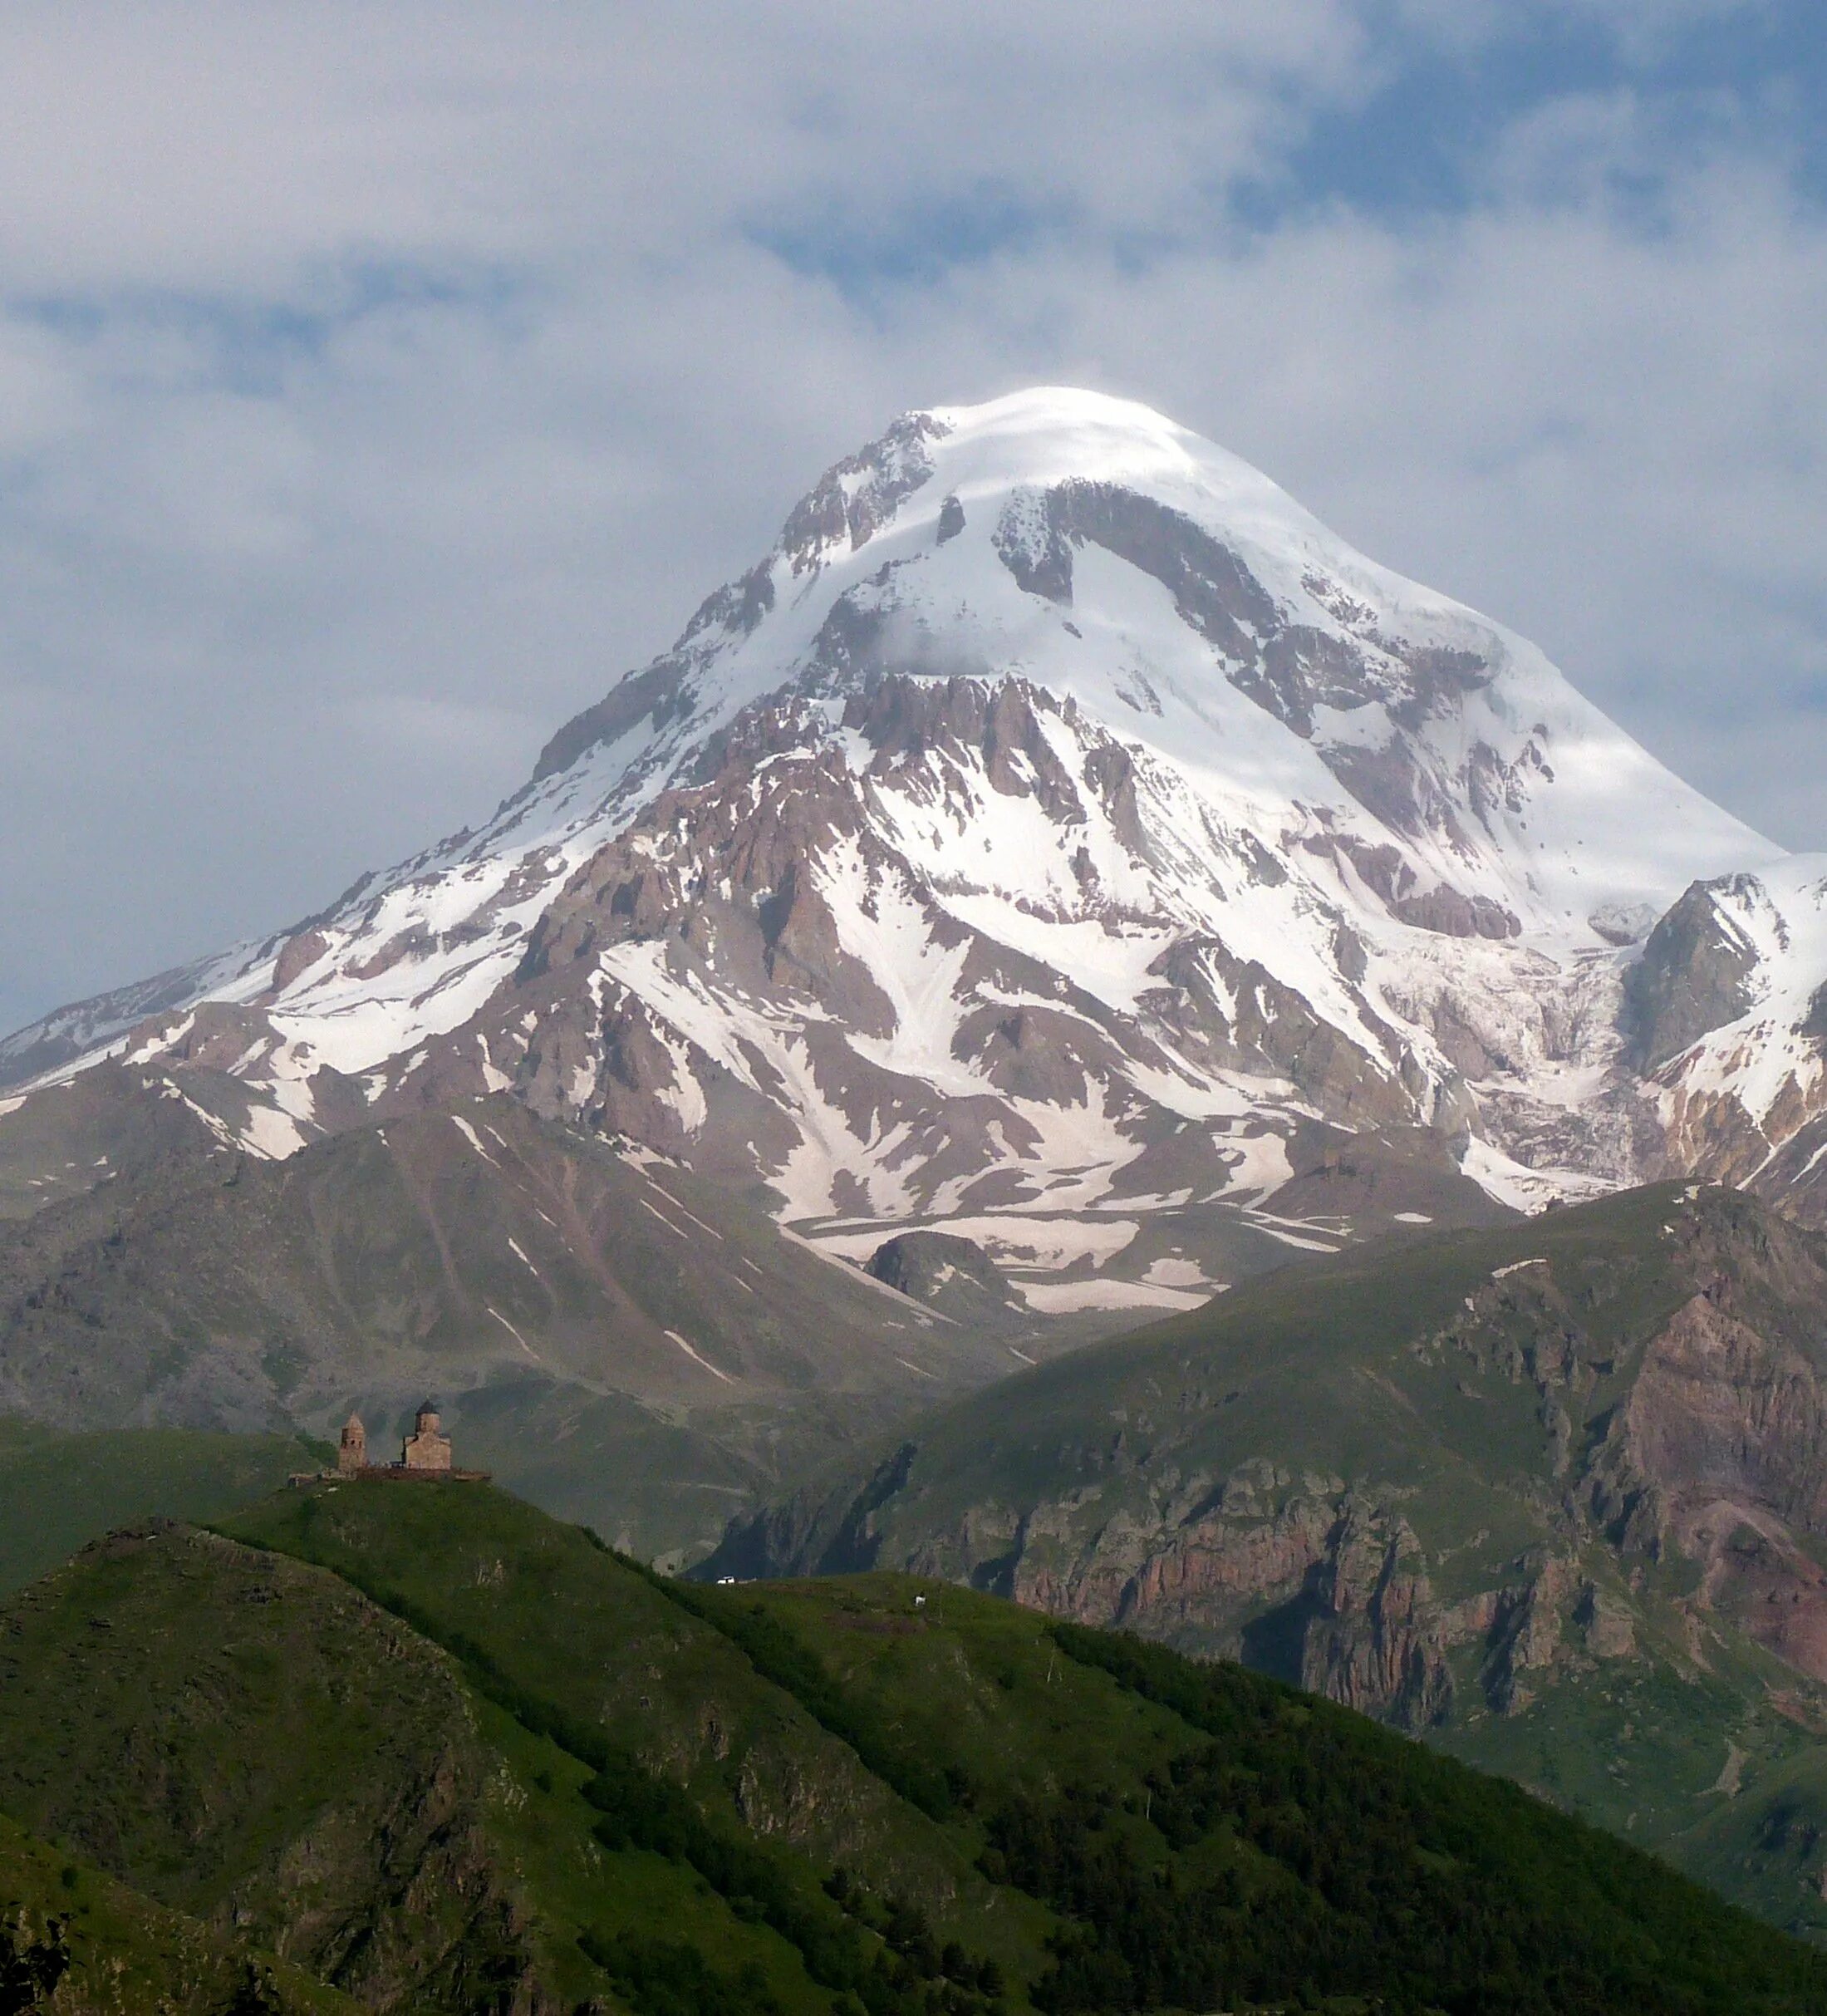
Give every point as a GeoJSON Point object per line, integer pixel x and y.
{"type": "Point", "coordinates": [971, 1686]}
{"type": "Point", "coordinates": [574, 1628]}
{"type": "Point", "coordinates": [57, 1492]}
{"type": "Point", "coordinates": [124, 1952]}
{"type": "Point", "coordinates": [253, 1743]}
{"type": "Point", "coordinates": [1313, 1367]}
{"type": "Point", "coordinates": [529, 1752]}
{"type": "Point", "coordinates": [104, 1127]}
{"type": "Point", "coordinates": [973, 1710]}
{"type": "Point", "coordinates": [250, 1740]}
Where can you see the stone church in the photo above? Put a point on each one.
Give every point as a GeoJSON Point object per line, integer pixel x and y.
{"type": "Point", "coordinates": [427, 1448]}
{"type": "Point", "coordinates": [424, 1452]}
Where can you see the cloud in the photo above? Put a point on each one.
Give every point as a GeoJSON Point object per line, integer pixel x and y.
{"type": "Point", "coordinates": [375, 386]}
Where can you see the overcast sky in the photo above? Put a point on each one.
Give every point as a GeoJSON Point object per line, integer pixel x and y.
{"type": "Point", "coordinates": [377, 384]}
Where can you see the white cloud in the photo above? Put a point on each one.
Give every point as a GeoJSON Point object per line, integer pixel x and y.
{"type": "Point", "coordinates": [375, 386]}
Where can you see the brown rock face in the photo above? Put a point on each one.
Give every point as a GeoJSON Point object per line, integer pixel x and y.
{"type": "Point", "coordinates": [1724, 1437]}
{"type": "Point", "coordinates": [747, 886]}
{"type": "Point", "coordinates": [1721, 1413]}
{"type": "Point", "coordinates": [1376, 1644]}
{"type": "Point", "coordinates": [296, 955]}
{"type": "Point", "coordinates": [1329, 1590]}
{"type": "Point", "coordinates": [1218, 1560]}
{"type": "Point", "coordinates": [1604, 1623]}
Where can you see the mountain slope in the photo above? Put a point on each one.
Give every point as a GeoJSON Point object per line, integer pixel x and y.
{"type": "Point", "coordinates": [74, 1943]}
{"type": "Point", "coordinates": [1549, 1496]}
{"type": "Point", "coordinates": [599, 1326]}
{"type": "Point", "coordinates": [252, 1744]}
{"type": "Point", "coordinates": [1062, 837]}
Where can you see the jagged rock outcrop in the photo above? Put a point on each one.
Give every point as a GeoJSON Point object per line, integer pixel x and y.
{"type": "Point", "coordinates": [1375, 1642]}
{"type": "Point", "coordinates": [1695, 976]}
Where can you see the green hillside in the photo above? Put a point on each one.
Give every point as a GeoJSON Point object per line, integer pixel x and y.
{"type": "Point", "coordinates": [603, 1658]}
{"type": "Point", "coordinates": [76, 1942]}
{"type": "Point", "coordinates": [1105, 1825]}
{"type": "Point", "coordinates": [445, 1754]}
{"type": "Point", "coordinates": [1548, 1496]}
{"type": "Point", "coordinates": [57, 1492]}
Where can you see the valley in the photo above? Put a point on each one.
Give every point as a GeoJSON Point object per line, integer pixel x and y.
{"type": "Point", "coordinates": [1549, 1497]}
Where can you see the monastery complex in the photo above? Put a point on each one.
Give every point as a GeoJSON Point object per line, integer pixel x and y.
{"type": "Point", "coordinates": [424, 1453]}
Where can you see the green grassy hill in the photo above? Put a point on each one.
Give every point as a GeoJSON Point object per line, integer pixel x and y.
{"type": "Point", "coordinates": [448, 1754]}
{"type": "Point", "coordinates": [607, 1662]}
{"type": "Point", "coordinates": [441, 1752]}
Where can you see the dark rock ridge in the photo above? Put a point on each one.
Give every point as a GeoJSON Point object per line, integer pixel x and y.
{"type": "Point", "coordinates": [1289, 669]}
{"type": "Point", "coordinates": [954, 1276]}
{"type": "Point", "coordinates": [74, 1031]}
{"type": "Point", "coordinates": [1694, 976]}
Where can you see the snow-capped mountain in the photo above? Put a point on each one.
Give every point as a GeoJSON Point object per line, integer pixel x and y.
{"type": "Point", "coordinates": [1061, 835]}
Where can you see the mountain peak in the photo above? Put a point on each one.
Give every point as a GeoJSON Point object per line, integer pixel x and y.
{"type": "Point", "coordinates": [1059, 819]}
{"type": "Point", "coordinates": [1049, 434]}
{"type": "Point", "coordinates": [1088, 433]}
{"type": "Point", "coordinates": [1052, 433]}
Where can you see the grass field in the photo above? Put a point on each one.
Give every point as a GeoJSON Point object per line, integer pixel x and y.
{"type": "Point", "coordinates": [57, 1492]}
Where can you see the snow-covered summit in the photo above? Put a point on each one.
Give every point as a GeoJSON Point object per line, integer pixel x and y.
{"type": "Point", "coordinates": [1059, 821]}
